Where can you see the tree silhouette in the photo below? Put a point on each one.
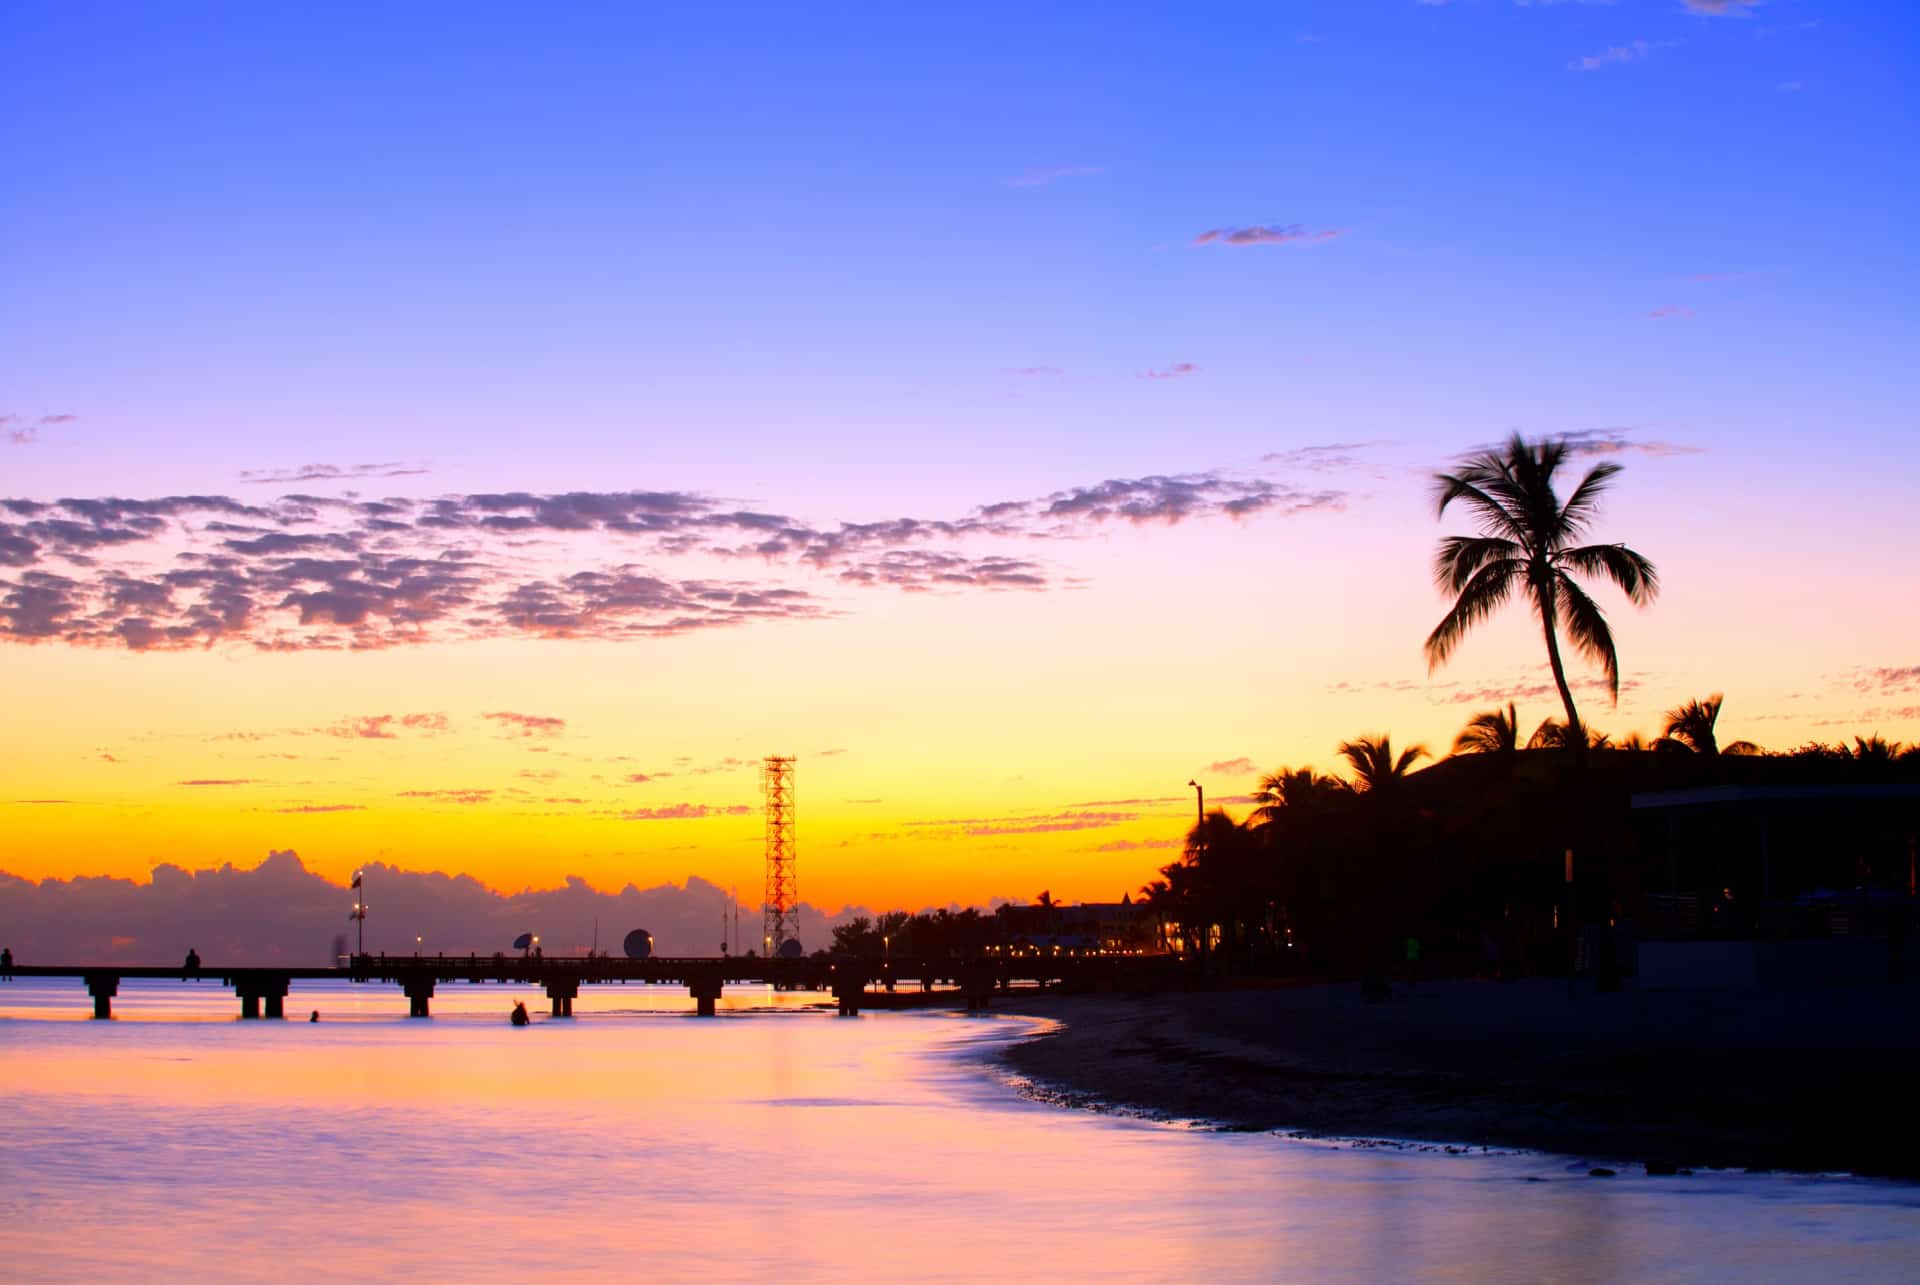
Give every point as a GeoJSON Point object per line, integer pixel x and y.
{"type": "Point", "coordinates": [1692, 724]}
{"type": "Point", "coordinates": [1491, 731]}
{"type": "Point", "coordinates": [1526, 542]}
{"type": "Point", "coordinates": [1552, 735]}
{"type": "Point", "coordinates": [1294, 790]}
{"type": "Point", "coordinates": [1374, 766]}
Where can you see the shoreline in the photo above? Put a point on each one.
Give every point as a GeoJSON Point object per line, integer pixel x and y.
{"type": "Point", "coordinates": [1816, 1081]}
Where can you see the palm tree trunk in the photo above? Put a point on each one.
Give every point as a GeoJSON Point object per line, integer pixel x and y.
{"type": "Point", "coordinates": [1576, 734]}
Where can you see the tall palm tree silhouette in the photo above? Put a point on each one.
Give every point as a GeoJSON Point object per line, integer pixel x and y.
{"type": "Point", "coordinates": [1374, 766]}
{"type": "Point", "coordinates": [1526, 542]}
{"type": "Point", "coordinates": [1493, 731]}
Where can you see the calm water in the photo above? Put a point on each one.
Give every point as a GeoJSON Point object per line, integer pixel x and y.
{"type": "Point", "coordinates": [635, 1142]}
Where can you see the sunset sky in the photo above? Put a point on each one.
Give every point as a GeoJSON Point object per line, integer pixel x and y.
{"type": "Point", "coordinates": [470, 436]}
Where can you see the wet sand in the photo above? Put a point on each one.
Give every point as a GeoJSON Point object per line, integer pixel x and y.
{"type": "Point", "coordinates": [1821, 1080]}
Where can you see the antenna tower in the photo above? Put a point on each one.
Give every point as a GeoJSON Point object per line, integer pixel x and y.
{"type": "Point", "coordinates": [783, 902]}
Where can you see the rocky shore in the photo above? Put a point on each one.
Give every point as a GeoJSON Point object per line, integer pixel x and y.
{"type": "Point", "coordinates": [1817, 1080]}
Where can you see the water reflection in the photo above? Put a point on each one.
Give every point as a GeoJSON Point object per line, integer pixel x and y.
{"type": "Point", "coordinates": [789, 1144]}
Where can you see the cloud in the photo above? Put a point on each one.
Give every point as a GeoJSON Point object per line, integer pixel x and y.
{"type": "Point", "coordinates": [527, 725]}
{"type": "Point", "coordinates": [923, 569]}
{"type": "Point", "coordinates": [1179, 370]}
{"type": "Point", "coordinates": [306, 572]}
{"type": "Point", "coordinates": [1671, 310]}
{"type": "Point", "coordinates": [1722, 8]}
{"type": "Point", "coordinates": [1043, 823]}
{"type": "Point", "coordinates": [685, 812]}
{"type": "Point", "coordinates": [22, 431]}
{"type": "Point", "coordinates": [1267, 234]}
{"type": "Point", "coordinates": [1231, 767]}
{"type": "Point", "coordinates": [1632, 51]}
{"type": "Point", "coordinates": [279, 912]}
{"type": "Point", "coordinates": [1887, 679]}
{"type": "Point", "coordinates": [1035, 371]}
{"type": "Point", "coordinates": [1608, 441]}
{"type": "Point", "coordinates": [206, 780]}
{"type": "Point", "coordinates": [1053, 174]}
{"type": "Point", "coordinates": [1325, 457]}
{"type": "Point", "coordinates": [1137, 845]}
{"type": "Point", "coordinates": [463, 797]}
{"type": "Point", "coordinates": [378, 727]}
{"type": "Point", "coordinates": [329, 473]}
{"type": "Point", "coordinates": [324, 807]}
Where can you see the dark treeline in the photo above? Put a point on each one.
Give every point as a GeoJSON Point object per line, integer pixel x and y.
{"type": "Point", "coordinates": [1331, 875]}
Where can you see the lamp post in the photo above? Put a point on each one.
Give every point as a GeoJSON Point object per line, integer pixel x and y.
{"type": "Point", "coordinates": [359, 912]}
{"type": "Point", "coordinates": [1199, 802]}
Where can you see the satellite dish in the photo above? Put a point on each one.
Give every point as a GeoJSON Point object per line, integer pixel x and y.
{"type": "Point", "coordinates": [790, 949]}
{"type": "Point", "coordinates": [639, 944]}
{"type": "Point", "coordinates": [523, 941]}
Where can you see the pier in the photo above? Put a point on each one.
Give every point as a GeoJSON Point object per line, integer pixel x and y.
{"type": "Point", "coordinates": [262, 991]}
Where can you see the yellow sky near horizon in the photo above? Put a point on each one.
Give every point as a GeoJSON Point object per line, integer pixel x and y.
{"type": "Point", "coordinates": [952, 748]}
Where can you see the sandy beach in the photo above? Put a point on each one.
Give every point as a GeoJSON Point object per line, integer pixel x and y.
{"type": "Point", "coordinates": [1815, 1079]}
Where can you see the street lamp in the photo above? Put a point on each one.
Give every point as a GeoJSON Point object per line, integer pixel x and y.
{"type": "Point", "coordinates": [1199, 802]}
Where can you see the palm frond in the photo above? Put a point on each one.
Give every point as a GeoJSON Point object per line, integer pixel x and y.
{"type": "Point", "coordinates": [1491, 731]}
{"type": "Point", "coordinates": [1632, 572]}
{"type": "Point", "coordinates": [1578, 512]}
{"type": "Point", "coordinates": [1461, 556]}
{"type": "Point", "coordinates": [1479, 598]}
{"type": "Point", "coordinates": [1550, 735]}
{"type": "Point", "coordinates": [1692, 724]}
{"type": "Point", "coordinates": [1469, 487]}
{"type": "Point", "coordinates": [1587, 627]}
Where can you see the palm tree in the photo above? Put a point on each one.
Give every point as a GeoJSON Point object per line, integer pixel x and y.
{"type": "Point", "coordinates": [1374, 766]}
{"type": "Point", "coordinates": [1552, 735]}
{"type": "Point", "coordinates": [1491, 731]}
{"type": "Point", "coordinates": [1526, 541]}
{"type": "Point", "coordinates": [1692, 724]}
{"type": "Point", "coordinates": [1294, 789]}
{"type": "Point", "coordinates": [1874, 749]}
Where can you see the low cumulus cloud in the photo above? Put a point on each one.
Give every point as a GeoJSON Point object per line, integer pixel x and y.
{"type": "Point", "coordinates": [279, 912]}
{"type": "Point", "coordinates": [1722, 8]}
{"type": "Point", "coordinates": [309, 572]}
{"type": "Point", "coordinates": [1179, 370]}
{"type": "Point", "coordinates": [1230, 767]}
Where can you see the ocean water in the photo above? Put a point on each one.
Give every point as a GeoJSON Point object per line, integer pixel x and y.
{"type": "Point", "coordinates": [635, 1142]}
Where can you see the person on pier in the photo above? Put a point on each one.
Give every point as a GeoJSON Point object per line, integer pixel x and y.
{"type": "Point", "coordinates": [6, 962]}
{"type": "Point", "coordinates": [192, 967]}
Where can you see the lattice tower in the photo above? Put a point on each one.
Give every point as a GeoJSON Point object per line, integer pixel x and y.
{"type": "Point", "coordinates": [783, 899]}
